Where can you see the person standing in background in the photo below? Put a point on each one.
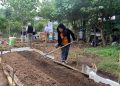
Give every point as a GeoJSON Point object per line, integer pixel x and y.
{"type": "Point", "coordinates": [34, 34]}
{"type": "Point", "coordinates": [46, 30]}
{"type": "Point", "coordinates": [29, 31]}
{"type": "Point", "coordinates": [23, 35]}
{"type": "Point", "coordinates": [50, 26]}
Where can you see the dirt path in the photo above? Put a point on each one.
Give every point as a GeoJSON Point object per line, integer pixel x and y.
{"type": "Point", "coordinates": [3, 78]}
{"type": "Point", "coordinates": [35, 71]}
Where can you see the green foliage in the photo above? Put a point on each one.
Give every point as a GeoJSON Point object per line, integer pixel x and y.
{"type": "Point", "coordinates": [22, 10]}
{"type": "Point", "coordinates": [111, 7]}
{"type": "Point", "coordinates": [109, 66]}
{"type": "Point", "coordinates": [3, 21]}
{"type": "Point", "coordinates": [2, 11]}
{"type": "Point", "coordinates": [117, 26]}
{"type": "Point", "coordinates": [3, 48]}
{"type": "Point", "coordinates": [72, 9]}
{"type": "Point", "coordinates": [78, 13]}
{"type": "Point", "coordinates": [108, 27]}
{"type": "Point", "coordinates": [110, 52]}
{"type": "Point", "coordinates": [48, 9]}
{"type": "Point", "coordinates": [15, 27]}
{"type": "Point", "coordinates": [3, 24]}
{"type": "Point", "coordinates": [17, 13]}
{"type": "Point", "coordinates": [109, 56]}
{"type": "Point", "coordinates": [40, 25]}
{"type": "Point", "coordinates": [81, 13]}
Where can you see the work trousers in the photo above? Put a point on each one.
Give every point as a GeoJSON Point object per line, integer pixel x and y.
{"type": "Point", "coordinates": [64, 53]}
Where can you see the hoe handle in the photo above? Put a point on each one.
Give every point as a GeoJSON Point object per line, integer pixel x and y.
{"type": "Point", "coordinates": [59, 48]}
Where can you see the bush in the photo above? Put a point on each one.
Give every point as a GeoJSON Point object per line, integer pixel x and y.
{"type": "Point", "coordinates": [109, 56]}
{"type": "Point", "coordinates": [40, 25]}
{"type": "Point", "coordinates": [3, 24]}
{"type": "Point", "coordinates": [117, 26]}
{"type": "Point", "coordinates": [15, 27]}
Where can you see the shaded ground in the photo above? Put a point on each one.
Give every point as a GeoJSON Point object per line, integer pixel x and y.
{"type": "Point", "coordinates": [35, 71]}
{"type": "Point", "coordinates": [3, 78]}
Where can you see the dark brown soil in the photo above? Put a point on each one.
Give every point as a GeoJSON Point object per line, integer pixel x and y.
{"type": "Point", "coordinates": [33, 70]}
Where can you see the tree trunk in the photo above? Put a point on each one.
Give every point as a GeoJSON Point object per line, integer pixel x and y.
{"type": "Point", "coordinates": [102, 32]}
{"type": "Point", "coordinates": [110, 37]}
{"type": "Point", "coordinates": [102, 37]}
{"type": "Point", "coordinates": [95, 37]}
{"type": "Point", "coordinates": [88, 34]}
{"type": "Point", "coordinates": [84, 30]}
{"type": "Point", "coordinates": [76, 28]}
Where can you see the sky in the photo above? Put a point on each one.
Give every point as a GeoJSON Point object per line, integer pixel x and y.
{"type": "Point", "coordinates": [0, 4]}
{"type": "Point", "coordinates": [40, 0]}
{"type": "Point", "coordinates": [3, 7]}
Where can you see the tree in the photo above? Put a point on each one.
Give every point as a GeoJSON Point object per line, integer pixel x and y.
{"type": "Point", "coordinates": [39, 25]}
{"type": "Point", "coordinates": [18, 13]}
{"type": "Point", "coordinates": [48, 10]}
{"type": "Point", "coordinates": [76, 12]}
{"type": "Point", "coordinates": [3, 24]}
{"type": "Point", "coordinates": [86, 13]}
{"type": "Point", "coordinates": [15, 27]}
{"type": "Point", "coordinates": [22, 10]}
{"type": "Point", "coordinates": [109, 8]}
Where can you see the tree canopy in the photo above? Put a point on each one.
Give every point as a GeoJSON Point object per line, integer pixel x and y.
{"type": "Point", "coordinates": [22, 10]}
{"type": "Point", "coordinates": [80, 14]}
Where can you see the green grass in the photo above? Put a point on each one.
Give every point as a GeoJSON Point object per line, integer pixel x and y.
{"type": "Point", "coordinates": [109, 56]}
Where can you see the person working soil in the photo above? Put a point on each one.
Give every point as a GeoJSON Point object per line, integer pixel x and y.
{"type": "Point", "coordinates": [64, 37]}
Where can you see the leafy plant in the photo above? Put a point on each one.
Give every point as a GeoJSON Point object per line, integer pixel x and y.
{"type": "Point", "coordinates": [109, 56]}
{"type": "Point", "coordinates": [40, 25]}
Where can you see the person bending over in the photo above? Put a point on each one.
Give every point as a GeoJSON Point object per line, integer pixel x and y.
{"type": "Point", "coordinates": [64, 38]}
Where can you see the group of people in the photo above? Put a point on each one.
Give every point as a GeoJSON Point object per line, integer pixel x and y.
{"type": "Point", "coordinates": [28, 34]}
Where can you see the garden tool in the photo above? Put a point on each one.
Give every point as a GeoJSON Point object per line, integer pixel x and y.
{"type": "Point", "coordinates": [58, 48]}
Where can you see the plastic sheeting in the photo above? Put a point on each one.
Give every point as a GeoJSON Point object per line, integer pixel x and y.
{"type": "Point", "coordinates": [98, 79]}
{"type": "Point", "coordinates": [18, 50]}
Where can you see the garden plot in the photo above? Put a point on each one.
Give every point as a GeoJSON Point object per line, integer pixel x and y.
{"type": "Point", "coordinates": [33, 70]}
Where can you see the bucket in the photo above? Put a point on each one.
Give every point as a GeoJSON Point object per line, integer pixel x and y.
{"type": "Point", "coordinates": [51, 36]}
{"type": "Point", "coordinates": [12, 41]}
{"type": "Point", "coordinates": [55, 36]}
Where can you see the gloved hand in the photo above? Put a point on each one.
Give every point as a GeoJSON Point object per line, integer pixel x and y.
{"type": "Point", "coordinates": [58, 45]}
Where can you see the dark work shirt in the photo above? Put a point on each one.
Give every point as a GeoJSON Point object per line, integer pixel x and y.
{"type": "Point", "coordinates": [30, 29]}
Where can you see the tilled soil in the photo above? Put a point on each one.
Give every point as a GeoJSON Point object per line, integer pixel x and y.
{"type": "Point", "coordinates": [33, 70]}
{"type": "Point", "coordinates": [75, 58]}
{"type": "Point", "coordinates": [3, 78]}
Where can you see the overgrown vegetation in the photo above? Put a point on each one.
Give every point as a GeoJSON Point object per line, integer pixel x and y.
{"type": "Point", "coordinates": [109, 56]}
{"type": "Point", "coordinates": [39, 25]}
